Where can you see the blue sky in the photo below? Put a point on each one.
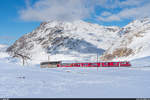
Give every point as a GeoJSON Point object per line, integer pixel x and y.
{"type": "Point", "coordinates": [11, 26]}
{"type": "Point", "coordinates": [22, 16]}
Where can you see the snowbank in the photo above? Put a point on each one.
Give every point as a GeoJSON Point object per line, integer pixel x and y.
{"type": "Point", "coordinates": [141, 62]}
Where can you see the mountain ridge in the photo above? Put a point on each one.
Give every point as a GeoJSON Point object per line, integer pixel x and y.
{"type": "Point", "coordinates": [72, 39]}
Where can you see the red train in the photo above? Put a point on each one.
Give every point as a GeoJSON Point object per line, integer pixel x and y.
{"type": "Point", "coordinates": [96, 64]}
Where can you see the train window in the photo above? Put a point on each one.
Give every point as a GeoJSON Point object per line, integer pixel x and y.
{"type": "Point", "coordinates": [114, 63]}
{"type": "Point", "coordinates": [105, 63]}
{"type": "Point", "coordinates": [94, 64]}
{"type": "Point", "coordinates": [47, 63]}
{"type": "Point", "coordinates": [123, 62]}
{"type": "Point", "coordinates": [76, 64]}
{"type": "Point", "coordinates": [85, 64]}
{"type": "Point", "coordinates": [65, 64]}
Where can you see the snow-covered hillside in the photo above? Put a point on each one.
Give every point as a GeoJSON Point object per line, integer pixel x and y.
{"type": "Point", "coordinates": [34, 82]}
{"type": "Point", "coordinates": [141, 62]}
{"type": "Point", "coordinates": [134, 44]}
{"type": "Point", "coordinates": [78, 40]}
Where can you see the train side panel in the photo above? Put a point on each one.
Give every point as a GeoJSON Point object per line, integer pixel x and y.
{"type": "Point", "coordinates": [100, 64]}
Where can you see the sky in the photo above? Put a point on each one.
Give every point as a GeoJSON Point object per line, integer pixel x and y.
{"type": "Point", "coordinates": [19, 17]}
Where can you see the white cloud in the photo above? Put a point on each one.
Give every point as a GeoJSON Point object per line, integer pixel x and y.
{"type": "Point", "coordinates": [106, 13]}
{"type": "Point", "coordinates": [120, 3]}
{"type": "Point", "coordinates": [66, 10]}
{"type": "Point", "coordinates": [135, 12]}
{"type": "Point", "coordinates": [109, 19]}
{"type": "Point", "coordinates": [131, 2]}
{"type": "Point", "coordinates": [128, 13]}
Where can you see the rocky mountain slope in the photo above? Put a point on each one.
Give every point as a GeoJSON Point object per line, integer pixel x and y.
{"type": "Point", "coordinates": [134, 43]}
{"type": "Point", "coordinates": [78, 40]}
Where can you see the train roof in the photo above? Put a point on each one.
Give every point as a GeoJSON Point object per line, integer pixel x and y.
{"type": "Point", "coordinates": [89, 61]}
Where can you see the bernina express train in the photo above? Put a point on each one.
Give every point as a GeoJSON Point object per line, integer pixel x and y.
{"type": "Point", "coordinates": [96, 64]}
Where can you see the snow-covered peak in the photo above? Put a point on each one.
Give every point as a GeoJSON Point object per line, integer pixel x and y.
{"type": "Point", "coordinates": [76, 40]}
{"type": "Point", "coordinates": [79, 26]}
{"type": "Point", "coordinates": [65, 23]}
{"type": "Point", "coordinates": [139, 22]}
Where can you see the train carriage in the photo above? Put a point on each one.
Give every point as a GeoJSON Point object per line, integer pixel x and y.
{"type": "Point", "coordinates": [97, 64]}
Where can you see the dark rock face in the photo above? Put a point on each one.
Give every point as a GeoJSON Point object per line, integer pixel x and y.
{"type": "Point", "coordinates": [29, 41]}
{"type": "Point", "coordinates": [119, 52]}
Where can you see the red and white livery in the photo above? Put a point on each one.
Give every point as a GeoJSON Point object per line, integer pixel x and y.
{"type": "Point", "coordinates": [97, 64]}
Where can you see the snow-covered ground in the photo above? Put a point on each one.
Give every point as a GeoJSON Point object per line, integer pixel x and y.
{"type": "Point", "coordinates": [32, 81]}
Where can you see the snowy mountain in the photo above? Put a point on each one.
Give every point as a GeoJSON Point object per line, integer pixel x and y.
{"type": "Point", "coordinates": [134, 43]}
{"type": "Point", "coordinates": [75, 41]}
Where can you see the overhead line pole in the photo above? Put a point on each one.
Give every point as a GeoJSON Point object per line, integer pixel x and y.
{"type": "Point", "coordinates": [97, 61]}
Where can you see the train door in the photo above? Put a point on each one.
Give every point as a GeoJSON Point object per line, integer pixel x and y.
{"type": "Point", "coordinates": [76, 64]}
{"type": "Point", "coordinates": [105, 64]}
{"type": "Point", "coordinates": [93, 64]}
